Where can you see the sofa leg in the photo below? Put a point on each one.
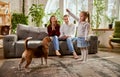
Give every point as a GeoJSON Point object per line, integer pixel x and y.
{"type": "Point", "coordinates": [111, 46]}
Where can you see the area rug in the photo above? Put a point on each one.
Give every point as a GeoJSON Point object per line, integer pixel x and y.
{"type": "Point", "coordinates": [63, 67]}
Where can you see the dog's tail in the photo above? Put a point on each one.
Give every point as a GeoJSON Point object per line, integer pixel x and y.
{"type": "Point", "coordinates": [26, 41]}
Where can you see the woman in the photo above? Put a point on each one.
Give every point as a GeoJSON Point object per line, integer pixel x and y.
{"type": "Point", "coordinates": [54, 32]}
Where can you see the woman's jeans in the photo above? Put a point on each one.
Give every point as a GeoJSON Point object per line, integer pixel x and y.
{"type": "Point", "coordinates": [56, 43]}
{"type": "Point", "coordinates": [69, 41]}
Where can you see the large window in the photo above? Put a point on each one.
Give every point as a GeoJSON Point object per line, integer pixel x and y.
{"type": "Point", "coordinates": [103, 11]}
{"type": "Point", "coordinates": [75, 6]}
{"type": "Point", "coordinates": [111, 9]}
{"type": "Point", "coordinates": [51, 7]}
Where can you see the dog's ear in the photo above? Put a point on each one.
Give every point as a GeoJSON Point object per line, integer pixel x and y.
{"type": "Point", "coordinates": [48, 39]}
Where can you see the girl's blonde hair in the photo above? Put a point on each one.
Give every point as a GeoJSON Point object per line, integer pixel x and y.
{"type": "Point", "coordinates": [87, 15]}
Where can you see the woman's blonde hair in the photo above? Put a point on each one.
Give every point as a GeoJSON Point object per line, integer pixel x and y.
{"type": "Point", "coordinates": [51, 18]}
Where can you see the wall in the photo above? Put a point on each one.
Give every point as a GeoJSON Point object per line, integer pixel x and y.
{"type": "Point", "coordinates": [15, 5]}
{"type": "Point", "coordinates": [103, 37]}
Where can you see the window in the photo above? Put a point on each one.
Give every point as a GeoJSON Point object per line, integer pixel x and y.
{"type": "Point", "coordinates": [51, 7]}
{"type": "Point", "coordinates": [75, 6]}
{"type": "Point", "coordinates": [111, 9]}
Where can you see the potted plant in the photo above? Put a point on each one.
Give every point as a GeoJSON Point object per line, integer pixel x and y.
{"type": "Point", "coordinates": [18, 18]}
{"type": "Point", "coordinates": [98, 12]}
{"type": "Point", "coordinates": [110, 20]}
{"type": "Point", "coordinates": [37, 14]}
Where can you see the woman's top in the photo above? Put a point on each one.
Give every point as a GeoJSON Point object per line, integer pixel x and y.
{"type": "Point", "coordinates": [53, 32]}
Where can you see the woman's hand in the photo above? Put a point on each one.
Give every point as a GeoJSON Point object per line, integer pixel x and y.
{"type": "Point", "coordinates": [53, 27]}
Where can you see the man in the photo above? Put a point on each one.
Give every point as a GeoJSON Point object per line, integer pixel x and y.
{"type": "Point", "coordinates": [67, 32]}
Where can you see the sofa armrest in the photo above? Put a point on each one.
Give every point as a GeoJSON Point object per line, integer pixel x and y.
{"type": "Point", "coordinates": [93, 48]}
{"type": "Point", "coordinates": [10, 38]}
{"type": "Point", "coordinates": [9, 45]}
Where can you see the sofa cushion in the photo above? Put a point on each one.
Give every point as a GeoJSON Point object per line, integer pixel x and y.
{"type": "Point", "coordinates": [24, 31]}
{"type": "Point", "coordinates": [20, 46]}
{"type": "Point", "coordinates": [117, 40]}
{"type": "Point", "coordinates": [31, 43]}
{"type": "Point", "coordinates": [116, 35]}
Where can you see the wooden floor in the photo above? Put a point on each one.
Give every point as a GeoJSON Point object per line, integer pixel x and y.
{"type": "Point", "coordinates": [106, 63]}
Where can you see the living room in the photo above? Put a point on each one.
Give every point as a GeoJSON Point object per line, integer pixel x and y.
{"type": "Point", "coordinates": [20, 19]}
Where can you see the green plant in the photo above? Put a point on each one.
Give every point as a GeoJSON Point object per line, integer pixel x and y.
{"type": "Point", "coordinates": [110, 19]}
{"type": "Point", "coordinates": [37, 13]}
{"type": "Point", "coordinates": [18, 18]}
{"type": "Point", "coordinates": [98, 7]}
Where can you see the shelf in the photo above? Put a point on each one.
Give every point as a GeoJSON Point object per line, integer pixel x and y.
{"type": "Point", "coordinates": [3, 3]}
{"type": "Point", "coordinates": [102, 29]}
{"type": "Point", "coordinates": [1, 25]}
{"type": "Point", "coordinates": [5, 18]}
{"type": "Point", "coordinates": [3, 14]}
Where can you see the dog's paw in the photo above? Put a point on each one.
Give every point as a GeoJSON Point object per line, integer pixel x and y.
{"type": "Point", "coordinates": [19, 68]}
{"type": "Point", "coordinates": [27, 70]}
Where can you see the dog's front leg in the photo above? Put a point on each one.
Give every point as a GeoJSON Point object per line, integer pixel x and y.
{"type": "Point", "coordinates": [22, 60]}
{"type": "Point", "coordinates": [41, 60]}
{"type": "Point", "coordinates": [46, 61]}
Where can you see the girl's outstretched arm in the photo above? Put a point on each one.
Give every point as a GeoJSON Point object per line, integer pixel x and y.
{"type": "Point", "coordinates": [75, 17]}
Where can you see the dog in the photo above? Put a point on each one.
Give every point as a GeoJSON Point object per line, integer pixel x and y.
{"type": "Point", "coordinates": [41, 51]}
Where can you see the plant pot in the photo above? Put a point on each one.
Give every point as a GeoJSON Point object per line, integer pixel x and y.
{"type": "Point", "coordinates": [45, 25]}
{"type": "Point", "coordinates": [110, 26]}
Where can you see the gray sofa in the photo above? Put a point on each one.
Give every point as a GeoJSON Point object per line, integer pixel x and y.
{"type": "Point", "coordinates": [13, 45]}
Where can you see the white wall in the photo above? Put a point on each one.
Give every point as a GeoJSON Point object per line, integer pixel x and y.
{"type": "Point", "coordinates": [103, 37]}
{"type": "Point", "coordinates": [15, 5]}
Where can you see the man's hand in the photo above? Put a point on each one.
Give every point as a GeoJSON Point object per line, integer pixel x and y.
{"type": "Point", "coordinates": [64, 37]}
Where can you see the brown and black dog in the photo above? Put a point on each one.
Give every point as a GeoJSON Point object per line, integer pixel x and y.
{"type": "Point", "coordinates": [41, 51]}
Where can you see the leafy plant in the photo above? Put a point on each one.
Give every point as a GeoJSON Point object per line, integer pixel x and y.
{"type": "Point", "coordinates": [37, 13]}
{"type": "Point", "coordinates": [18, 18]}
{"type": "Point", "coordinates": [110, 19]}
{"type": "Point", "coordinates": [98, 6]}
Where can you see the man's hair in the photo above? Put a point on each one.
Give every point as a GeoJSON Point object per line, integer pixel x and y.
{"type": "Point", "coordinates": [66, 15]}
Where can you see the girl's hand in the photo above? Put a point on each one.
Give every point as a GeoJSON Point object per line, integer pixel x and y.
{"type": "Point", "coordinates": [67, 10]}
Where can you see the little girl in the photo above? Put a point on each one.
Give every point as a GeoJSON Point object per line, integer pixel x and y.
{"type": "Point", "coordinates": [82, 33]}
